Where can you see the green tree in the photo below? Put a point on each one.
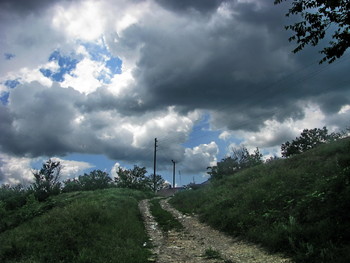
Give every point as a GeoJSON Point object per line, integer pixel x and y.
{"type": "Point", "coordinates": [71, 185]}
{"type": "Point", "coordinates": [47, 180]}
{"type": "Point", "coordinates": [307, 140]}
{"type": "Point", "coordinates": [318, 18]}
{"type": "Point", "coordinates": [132, 178]}
{"type": "Point", "coordinates": [239, 159]}
{"type": "Point", "coordinates": [96, 179]}
{"type": "Point", "coordinates": [160, 183]}
{"type": "Point", "coordinates": [136, 178]}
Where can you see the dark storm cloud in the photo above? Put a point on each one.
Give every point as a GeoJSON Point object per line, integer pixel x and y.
{"type": "Point", "coordinates": [239, 65]}
{"type": "Point", "coordinates": [199, 5]}
{"type": "Point", "coordinates": [339, 120]}
{"type": "Point", "coordinates": [234, 62]}
{"type": "Point", "coordinates": [43, 121]}
{"type": "Point", "coordinates": [103, 99]}
{"type": "Point", "coordinates": [38, 120]}
{"type": "Point", "coordinates": [2, 175]}
{"type": "Point", "coordinates": [5, 123]}
{"type": "Point", "coordinates": [51, 121]}
{"type": "Point", "coordinates": [27, 6]}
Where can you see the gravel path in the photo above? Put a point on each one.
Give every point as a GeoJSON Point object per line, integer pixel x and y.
{"type": "Point", "coordinates": [190, 244]}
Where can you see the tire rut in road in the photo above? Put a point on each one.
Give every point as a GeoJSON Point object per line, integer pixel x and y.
{"type": "Point", "coordinates": [192, 243]}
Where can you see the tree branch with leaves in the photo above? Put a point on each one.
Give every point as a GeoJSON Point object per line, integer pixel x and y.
{"type": "Point", "coordinates": [319, 17]}
{"type": "Point", "coordinates": [47, 180]}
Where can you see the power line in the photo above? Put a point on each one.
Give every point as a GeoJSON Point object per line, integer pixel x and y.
{"type": "Point", "coordinates": [310, 75]}
{"type": "Point", "coordinates": [169, 139]}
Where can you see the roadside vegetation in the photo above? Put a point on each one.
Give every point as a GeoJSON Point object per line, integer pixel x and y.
{"type": "Point", "coordinates": [212, 254]}
{"type": "Point", "coordinates": [164, 218]}
{"type": "Point", "coordinates": [91, 226]}
{"type": "Point", "coordinates": [90, 218]}
{"type": "Point", "coordinates": [19, 204]}
{"type": "Point", "coordinates": [298, 205]}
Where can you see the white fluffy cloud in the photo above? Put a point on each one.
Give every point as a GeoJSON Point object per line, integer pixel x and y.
{"type": "Point", "coordinates": [271, 136]}
{"type": "Point", "coordinates": [15, 170]}
{"type": "Point", "coordinates": [197, 159]}
{"type": "Point", "coordinates": [83, 20]}
{"type": "Point", "coordinates": [19, 170]}
{"type": "Point", "coordinates": [84, 76]}
{"type": "Point", "coordinates": [179, 59]}
{"type": "Point", "coordinates": [71, 169]}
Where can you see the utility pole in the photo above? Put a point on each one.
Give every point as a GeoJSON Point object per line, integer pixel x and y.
{"type": "Point", "coordinates": [173, 173]}
{"type": "Point", "coordinates": [155, 163]}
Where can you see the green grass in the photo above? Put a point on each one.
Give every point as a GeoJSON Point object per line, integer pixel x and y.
{"type": "Point", "coordinates": [98, 226]}
{"type": "Point", "coordinates": [299, 206]}
{"type": "Point", "coordinates": [165, 219]}
{"type": "Point", "coordinates": [212, 254]}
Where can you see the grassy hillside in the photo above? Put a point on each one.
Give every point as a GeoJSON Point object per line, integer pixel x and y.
{"type": "Point", "coordinates": [300, 205]}
{"type": "Point", "coordinates": [92, 226]}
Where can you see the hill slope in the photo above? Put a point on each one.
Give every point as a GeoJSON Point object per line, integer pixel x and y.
{"type": "Point", "coordinates": [299, 206]}
{"type": "Point", "coordinates": [92, 226]}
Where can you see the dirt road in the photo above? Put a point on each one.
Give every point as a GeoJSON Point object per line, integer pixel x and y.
{"type": "Point", "coordinates": [195, 242]}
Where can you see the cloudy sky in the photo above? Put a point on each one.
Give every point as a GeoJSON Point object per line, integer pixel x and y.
{"type": "Point", "coordinates": [93, 83]}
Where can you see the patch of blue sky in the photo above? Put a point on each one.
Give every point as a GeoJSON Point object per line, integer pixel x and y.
{"type": "Point", "coordinates": [97, 52]}
{"type": "Point", "coordinates": [4, 98]}
{"type": "Point", "coordinates": [9, 56]}
{"type": "Point", "coordinates": [9, 84]}
{"type": "Point", "coordinates": [202, 133]}
{"type": "Point", "coordinates": [114, 65]}
{"type": "Point", "coordinates": [100, 53]}
{"type": "Point", "coordinates": [104, 77]}
{"type": "Point", "coordinates": [66, 65]}
{"type": "Point", "coordinates": [12, 83]}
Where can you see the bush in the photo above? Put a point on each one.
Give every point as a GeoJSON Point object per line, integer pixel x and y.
{"type": "Point", "coordinates": [47, 180]}
{"type": "Point", "coordinates": [132, 178]}
{"type": "Point", "coordinates": [71, 185]}
{"type": "Point", "coordinates": [95, 180]}
{"type": "Point", "coordinates": [13, 197]}
{"type": "Point", "coordinates": [136, 178]}
{"type": "Point", "coordinates": [308, 139]}
{"type": "Point", "coordinates": [239, 159]}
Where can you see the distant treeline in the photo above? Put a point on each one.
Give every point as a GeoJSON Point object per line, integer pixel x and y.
{"type": "Point", "coordinates": [240, 158]}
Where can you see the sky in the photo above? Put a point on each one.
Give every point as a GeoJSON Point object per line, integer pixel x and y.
{"type": "Point", "coordinates": [92, 83]}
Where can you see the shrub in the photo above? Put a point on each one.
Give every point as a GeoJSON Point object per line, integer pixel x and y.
{"type": "Point", "coordinates": [136, 178]}
{"type": "Point", "coordinates": [308, 139]}
{"type": "Point", "coordinates": [96, 179]}
{"type": "Point", "coordinates": [212, 254]}
{"type": "Point", "coordinates": [132, 178]}
{"type": "Point", "coordinates": [47, 180]}
{"type": "Point", "coordinates": [239, 159]}
{"type": "Point", "coordinates": [13, 197]}
{"type": "Point", "coordinates": [71, 185]}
